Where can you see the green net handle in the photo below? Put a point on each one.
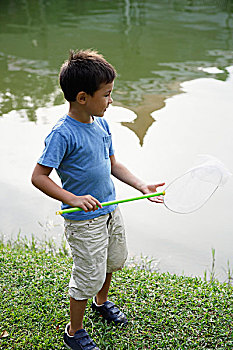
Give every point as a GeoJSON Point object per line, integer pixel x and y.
{"type": "Point", "coordinates": [104, 204]}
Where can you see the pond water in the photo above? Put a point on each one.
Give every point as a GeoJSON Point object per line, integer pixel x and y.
{"type": "Point", "coordinates": [172, 101]}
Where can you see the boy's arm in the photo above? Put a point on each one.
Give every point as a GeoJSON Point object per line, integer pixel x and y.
{"type": "Point", "coordinates": [123, 174]}
{"type": "Point", "coordinates": [41, 180]}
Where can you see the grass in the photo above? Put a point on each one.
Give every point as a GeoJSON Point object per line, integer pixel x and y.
{"type": "Point", "coordinates": [165, 311]}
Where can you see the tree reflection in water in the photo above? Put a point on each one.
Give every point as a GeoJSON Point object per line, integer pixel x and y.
{"type": "Point", "coordinates": [154, 46]}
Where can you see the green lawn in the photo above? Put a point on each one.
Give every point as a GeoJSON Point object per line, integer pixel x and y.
{"type": "Point", "coordinates": [164, 311]}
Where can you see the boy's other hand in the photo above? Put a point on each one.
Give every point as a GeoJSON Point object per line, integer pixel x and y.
{"type": "Point", "coordinates": [146, 189]}
{"type": "Point", "coordinates": [87, 203]}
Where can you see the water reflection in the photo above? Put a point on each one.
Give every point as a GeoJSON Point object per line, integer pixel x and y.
{"type": "Point", "coordinates": [154, 47]}
{"type": "Point", "coordinates": [144, 120]}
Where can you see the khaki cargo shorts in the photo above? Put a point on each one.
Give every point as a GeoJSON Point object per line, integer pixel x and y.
{"type": "Point", "coordinates": [98, 246]}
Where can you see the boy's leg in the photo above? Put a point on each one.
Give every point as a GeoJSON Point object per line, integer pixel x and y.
{"type": "Point", "coordinates": [89, 252]}
{"type": "Point", "coordinates": [75, 337]}
{"type": "Point", "coordinates": [118, 250]}
{"type": "Point", "coordinates": [77, 309]}
{"type": "Point", "coordinates": [106, 308]}
{"type": "Point", "coordinates": [117, 254]}
{"type": "Point", "coordinates": [102, 295]}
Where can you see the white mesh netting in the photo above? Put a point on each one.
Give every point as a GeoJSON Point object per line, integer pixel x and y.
{"type": "Point", "coordinates": [192, 190]}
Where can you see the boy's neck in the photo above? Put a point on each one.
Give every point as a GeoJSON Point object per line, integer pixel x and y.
{"type": "Point", "coordinates": [79, 114]}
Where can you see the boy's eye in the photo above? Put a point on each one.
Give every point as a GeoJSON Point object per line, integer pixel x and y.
{"type": "Point", "coordinates": [108, 94]}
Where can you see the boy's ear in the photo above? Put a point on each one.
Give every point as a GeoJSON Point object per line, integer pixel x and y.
{"type": "Point", "coordinates": [81, 97]}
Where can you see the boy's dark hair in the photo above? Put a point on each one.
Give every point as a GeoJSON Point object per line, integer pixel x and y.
{"type": "Point", "coordinates": [85, 70]}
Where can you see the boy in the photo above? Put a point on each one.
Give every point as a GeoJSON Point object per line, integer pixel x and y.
{"type": "Point", "coordinates": [80, 148]}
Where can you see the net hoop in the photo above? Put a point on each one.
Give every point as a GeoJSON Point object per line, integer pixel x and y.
{"type": "Point", "coordinates": [214, 185]}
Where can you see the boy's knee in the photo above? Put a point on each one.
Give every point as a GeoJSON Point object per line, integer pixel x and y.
{"type": "Point", "coordinates": [87, 290]}
{"type": "Point", "coordinates": [117, 262]}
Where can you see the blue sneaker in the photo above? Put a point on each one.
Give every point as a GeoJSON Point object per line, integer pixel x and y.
{"type": "Point", "coordinates": [80, 340]}
{"type": "Point", "coordinates": [110, 312]}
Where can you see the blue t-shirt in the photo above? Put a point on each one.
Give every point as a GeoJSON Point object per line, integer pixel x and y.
{"type": "Point", "coordinates": [80, 154]}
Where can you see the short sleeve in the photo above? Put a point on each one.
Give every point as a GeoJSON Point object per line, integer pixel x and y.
{"type": "Point", "coordinates": [54, 151]}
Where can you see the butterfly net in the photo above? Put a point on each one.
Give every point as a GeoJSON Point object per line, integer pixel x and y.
{"type": "Point", "coordinates": [192, 190]}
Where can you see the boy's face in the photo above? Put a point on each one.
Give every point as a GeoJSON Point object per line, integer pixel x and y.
{"type": "Point", "coordinates": [99, 102]}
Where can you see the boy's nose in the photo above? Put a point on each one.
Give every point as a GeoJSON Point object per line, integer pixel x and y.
{"type": "Point", "coordinates": [110, 99]}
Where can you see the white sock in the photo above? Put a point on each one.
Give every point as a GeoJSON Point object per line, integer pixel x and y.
{"type": "Point", "coordinates": [67, 331]}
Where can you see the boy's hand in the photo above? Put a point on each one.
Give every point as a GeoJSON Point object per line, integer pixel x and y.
{"type": "Point", "coordinates": [87, 203]}
{"type": "Point", "coordinates": [146, 189]}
